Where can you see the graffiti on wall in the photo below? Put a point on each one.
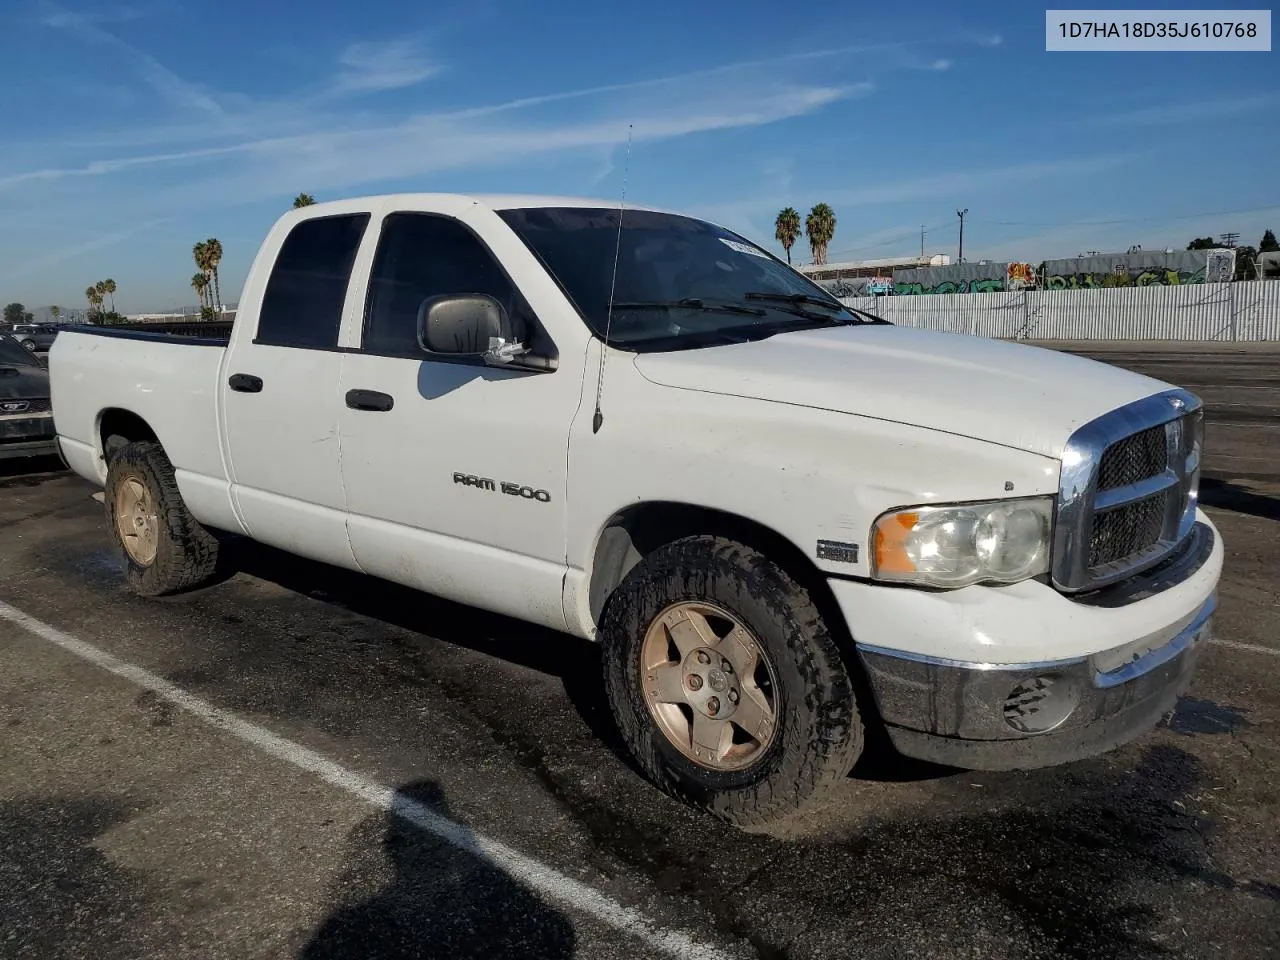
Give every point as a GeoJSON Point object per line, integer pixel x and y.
{"type": "Point", "coordinates": [1020, 276]}
{"type": "Point", "coordinates": [1114, 278]}
{"type": "Point", "coordinates": [905, 288]}
{"type": "Point", "coordinates": [1138, 269]}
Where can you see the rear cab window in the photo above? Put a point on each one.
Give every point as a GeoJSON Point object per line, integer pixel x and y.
{"type": "Point", "coordinates": [302, 305]}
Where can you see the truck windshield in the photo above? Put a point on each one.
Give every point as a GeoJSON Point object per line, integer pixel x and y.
{"type": "Point", "coordinates": [681, 282]}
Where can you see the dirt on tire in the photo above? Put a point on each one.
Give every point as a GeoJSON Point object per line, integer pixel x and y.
{"type": "Point", "coordinates": [186, 553]}
{"type": "Point", "coordinates": [820, 733]}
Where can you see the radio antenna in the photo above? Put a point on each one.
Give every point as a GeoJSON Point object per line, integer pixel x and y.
{"type": "Point", "coordinates": [598, 418]}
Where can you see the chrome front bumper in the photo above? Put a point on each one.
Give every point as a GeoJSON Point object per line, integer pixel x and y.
{"type": "Point", "coordinates": [1012, 716]}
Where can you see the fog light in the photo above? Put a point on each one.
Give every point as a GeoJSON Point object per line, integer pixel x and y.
{"type": "Point", "coordinates": [1039, 704]}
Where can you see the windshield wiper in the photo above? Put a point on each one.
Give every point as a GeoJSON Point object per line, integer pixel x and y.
{"type": "Point", "coordinates": [799, 304]}
{"type": "Point", "coordinates": [691, 303]}
{"type": "Point", "coordinates": [725, 336]}
{"type": "Point", "coordinates": [805, 298]}
{"type": "Point", "coordinates": [796, 298]}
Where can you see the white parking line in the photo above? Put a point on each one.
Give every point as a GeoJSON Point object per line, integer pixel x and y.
{"type": "Point", "coordinates": [537, 875]}
{"type": "Point", "coordinates": [1251, 647]}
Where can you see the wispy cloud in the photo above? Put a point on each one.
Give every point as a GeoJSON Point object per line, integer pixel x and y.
{"type": "Point", "coordinates": [941, 64]}
{"type": "Point", "coordinates": [156, 75]}
{"type": "Point", "coordinates": [751, 213]}
{"type": "Point", "coordinates": [372, 66]}
{"type": "Point", "coordinates": [70, 253]}
{"type": "Point", "coordinates": [1203, 111]}
{"type": "Point", "coordinates": [107, 13]}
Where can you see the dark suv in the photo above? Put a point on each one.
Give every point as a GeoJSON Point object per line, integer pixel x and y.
{"type": "Point", "coordinates": [26, 414]}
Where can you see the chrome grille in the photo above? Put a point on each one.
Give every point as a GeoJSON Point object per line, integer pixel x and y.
{"type": "Point", "coordinates": [1127, 530]}
{"type": "Point", "coordinates": [1134, 458]}
{"type": "Point", "coordinates": [1128, 491]}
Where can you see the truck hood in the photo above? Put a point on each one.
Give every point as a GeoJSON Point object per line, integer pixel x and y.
{"type": "Point", "coordinates": [1029, 398]}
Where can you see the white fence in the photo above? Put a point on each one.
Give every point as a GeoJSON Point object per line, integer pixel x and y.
{"type": "Point", "coordinates": [1211, 311]}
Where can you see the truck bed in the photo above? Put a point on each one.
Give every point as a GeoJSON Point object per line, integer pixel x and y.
{"type": "Point", "coordinates": [170, 381]}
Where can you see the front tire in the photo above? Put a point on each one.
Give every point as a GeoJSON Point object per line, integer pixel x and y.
{"type": "Point", "coordinates": [163, 548]}
{"type": "Point", "coordinates": [726, 684]}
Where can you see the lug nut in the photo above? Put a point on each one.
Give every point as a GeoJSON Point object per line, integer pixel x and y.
{"type": "Point", "coordinates": [703, 657]}
{"type": "Point", "coordinates": [713, 706]}
{"type": "Point", "coordinates": [695, 682]}
{"type": "Point", "coordinates": [733, 695]}
{"type": "Point", "coordinates": [726, 666]}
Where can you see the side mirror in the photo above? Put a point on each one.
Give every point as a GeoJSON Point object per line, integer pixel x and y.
{"type": "Point", "coordinates": [462, 326]}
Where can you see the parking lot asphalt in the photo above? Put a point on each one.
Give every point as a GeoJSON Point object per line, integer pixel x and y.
{"type": "Point", "coordinates": [298, 761]}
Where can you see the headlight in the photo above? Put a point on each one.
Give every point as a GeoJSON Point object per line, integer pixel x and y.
{"type": "Point", "coordinates": [960, 544]}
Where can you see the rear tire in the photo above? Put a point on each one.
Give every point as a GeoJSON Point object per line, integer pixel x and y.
{"type": "Point", "coordinates": [813, 735]}
{"type": "Point", "coordinates": [162, 547]}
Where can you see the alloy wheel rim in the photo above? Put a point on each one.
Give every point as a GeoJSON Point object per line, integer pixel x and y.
{"type": "Point", "coordinates": [709, 685]}
{"type": "Point", "coordinates": [136, 520]}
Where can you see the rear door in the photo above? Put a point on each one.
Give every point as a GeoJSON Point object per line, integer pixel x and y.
{"type": "Point", "coordinates": [456, 480]}
{"type": "Point", "coordinates": [281, 402]}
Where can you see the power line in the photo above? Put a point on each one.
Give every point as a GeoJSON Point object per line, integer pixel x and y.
{"type": "Point", "coordinates": [881, 244]}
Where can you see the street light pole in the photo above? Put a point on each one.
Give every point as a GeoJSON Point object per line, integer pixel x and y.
{"type": "Point", "coordinates": [961, 215]}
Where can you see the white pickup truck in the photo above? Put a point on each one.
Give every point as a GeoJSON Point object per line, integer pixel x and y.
{"type": "Point", "coordinates": [785, 521]}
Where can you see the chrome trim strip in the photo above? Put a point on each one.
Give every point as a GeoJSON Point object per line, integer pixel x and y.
{"type": "Point", "coordinates": [1160, 655]}
{"type": "Point", "coordinates": [966, 664]}
{"type": "Point", "coordinates": [1119, 496]}
{"type": "Point", "coordinates": [1077, 495]}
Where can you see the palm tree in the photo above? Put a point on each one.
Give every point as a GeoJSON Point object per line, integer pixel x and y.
{"type": "Point", "coordinates": [786, 229]}
{"type": "Point", "coordinates": [820, 226]}
{"type": "Point", "coordinates": [91, 294]}
{"type": "Point", "coordinates": [55, 312]}
{"type": "Point", "coordinates": [213, 248]}
{"type": "Point", "coordinates": [200, 284]}
{"type": "Point", "coordinates": [109, 286]}
{"type": "Point", "coordinates": [303, 200]}
{"type": "Point", "coordinates": [203, 256]}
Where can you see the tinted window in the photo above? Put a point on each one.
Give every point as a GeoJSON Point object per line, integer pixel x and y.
{"type": "Point", "coordinates": [303, 303]}
{"type": "Point", "coordinates": [421, 256]}
{"type": "Point", "coordinates": [12, 353]}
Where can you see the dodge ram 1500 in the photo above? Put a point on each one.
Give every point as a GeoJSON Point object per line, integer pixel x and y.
{"type": "Point", "coordinates": [784, 520]}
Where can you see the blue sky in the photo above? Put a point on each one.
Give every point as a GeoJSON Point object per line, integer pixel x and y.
{"type": "Point", "coordinates": [134, 130]}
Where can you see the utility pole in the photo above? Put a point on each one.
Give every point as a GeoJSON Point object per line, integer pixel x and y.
{"type": "Point", "coordinates": [961, 215]}
{"type": "Point", "coordinates": [922, 241]}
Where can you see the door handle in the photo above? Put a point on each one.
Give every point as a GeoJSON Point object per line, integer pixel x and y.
{"type": "Point", "coordinates": [245, 383]}
{"type": "Point", "coordinates": [369, 400]}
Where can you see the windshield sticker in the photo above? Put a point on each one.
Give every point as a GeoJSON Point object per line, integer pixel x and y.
{"type": "Point", "coordinates": [743, 248]}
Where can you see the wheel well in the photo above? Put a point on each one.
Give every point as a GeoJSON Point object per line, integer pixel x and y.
{"type": "Point", "coordinates": [117, 427]}
{"type": "Point", "coordinates": [638, 530]}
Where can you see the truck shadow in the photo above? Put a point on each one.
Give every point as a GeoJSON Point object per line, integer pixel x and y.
{"type": "Point", "coordinates": [574, 661]}
{"type": "Point", "coordinates": [1226, 495]}
{"type": "Point", "coordinates": [30, 471]}
{"type": "Point", "coordinates": [406, 892]}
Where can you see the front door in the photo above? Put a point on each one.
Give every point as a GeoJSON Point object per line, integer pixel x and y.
{"type": "Point", "coordinates": [455, 472]}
